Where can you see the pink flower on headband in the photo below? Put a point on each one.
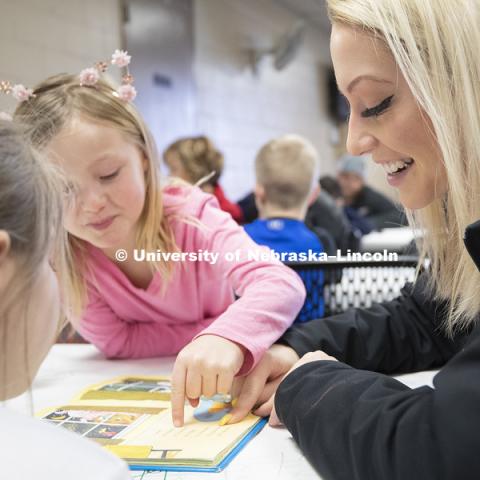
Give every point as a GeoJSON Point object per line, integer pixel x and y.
{"type": "Point", "coordinates": [5, 116]}
{"type": "Point", "coordinates": [127, 93]}
{"type": "Point", "coordinates": [89, 76]}
{"type": "Point", "coordinates": [21, 93]}
{"type": "Point", "coordinates": [121, 58]}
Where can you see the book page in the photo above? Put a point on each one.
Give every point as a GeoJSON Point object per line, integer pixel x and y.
{"type": "Point", "coordinates": [200, 439]}
{"type": "Point", "coordinates": [133, 390]}
{"type": "Point", "coordinates": [131, 417]}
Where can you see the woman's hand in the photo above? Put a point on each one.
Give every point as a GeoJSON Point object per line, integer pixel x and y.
{"type": "Point", "coordinates": [260, 384]}
{"type": "Point", "coordinates": [307, 358]}
{"type": "Point", "coordinates": [206, 366]}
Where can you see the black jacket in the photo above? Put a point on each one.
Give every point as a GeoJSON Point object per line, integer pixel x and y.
{"type": "Point", "coordinates": [324, 213]}
{"type": "Point", "coordinates": [378, 209]}
{"type": "Point", "coordinates": [355, 424]}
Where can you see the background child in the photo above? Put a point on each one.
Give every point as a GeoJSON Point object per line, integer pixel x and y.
{"type": "Point", "coordinates": [195, 158]}
{"type": "Point", "coordinates": [132, 308]}
{"type": "Point", "coordinates": [285, 172]}
{"type": "Point", "coordinates": [30, 208]}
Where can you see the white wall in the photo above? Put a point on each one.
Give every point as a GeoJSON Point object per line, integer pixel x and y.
{"type": "Point", "coordinates": [241, 110]}
{"type": "Point", "coordinates": [39, 38]}
{"type": "Point", "coordinates": [159, 36]}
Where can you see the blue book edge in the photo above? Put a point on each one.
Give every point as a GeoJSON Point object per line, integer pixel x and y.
{"type": "Point", "coordinates": [218, 468]}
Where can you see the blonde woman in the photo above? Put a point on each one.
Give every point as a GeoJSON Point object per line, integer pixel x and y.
{"type": "Point", "coordinates": [196, 159]}
{"type": "Point", "coordinates": [154, 268]}
{"type": "Point", "coordinates": [30, 213]}
{"type": "Point", "coordinates": [410, 70]}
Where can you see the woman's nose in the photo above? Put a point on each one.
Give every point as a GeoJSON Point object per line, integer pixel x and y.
{"type": "Point", "coordinates": [359, 140]}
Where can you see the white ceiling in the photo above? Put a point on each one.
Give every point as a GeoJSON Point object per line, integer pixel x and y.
{"type": "Point", "coordinates": [313, 11]}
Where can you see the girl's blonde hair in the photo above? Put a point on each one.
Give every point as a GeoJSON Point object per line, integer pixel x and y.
{"type": "Point", "coordinates": [199, 157]}
{"type": "Point", "coordinates": [435, 45]}
{"type": "Point", "coordinates": [57, 101]}
{"type": "Point", "coordinates": [31, 214]}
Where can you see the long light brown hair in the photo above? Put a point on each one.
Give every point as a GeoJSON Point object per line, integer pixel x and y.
{"type": "Point", "coordinates": [31, 215]}
{"type": "Point", "coordinates": [56, 102]}
{"type": "Point", "coordinates": [199, 157]}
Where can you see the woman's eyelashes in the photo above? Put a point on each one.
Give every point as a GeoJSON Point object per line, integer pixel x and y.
{"type": "Point", "coordinates": [377, 109]}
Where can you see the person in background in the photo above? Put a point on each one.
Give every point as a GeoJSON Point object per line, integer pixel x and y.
{"type": "Point", "coordinates": [248, 207]}
{"type": "Point", "coordinates": [324, 212]}
{"type": "Point", "coordinates": [331, 186]}
{"type": "Point", "coordinates": [376, 208]}
{"type": "Point", "coordinates": [285, 170]}
{"type": "Point", "coordinates": [196, 159]}
{"type": "Point", "coordinates": [30, 219]}
{"type": "Point", "coordinates": [359, 224]}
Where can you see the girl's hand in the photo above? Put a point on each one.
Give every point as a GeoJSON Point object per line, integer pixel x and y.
{"type": "Point", "coordinates": [206, 366]}
{"type": "Point", "coordinates": [307, 358]}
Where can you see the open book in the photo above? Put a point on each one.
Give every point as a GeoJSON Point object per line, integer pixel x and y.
{"type": "Point", "coordinates": [131, 417]}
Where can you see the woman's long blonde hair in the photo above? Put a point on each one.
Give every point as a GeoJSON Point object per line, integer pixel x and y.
{"type": "Point", "coordinates": [435, 44]}
{"type": "Point", "coordinates": [56, 102]}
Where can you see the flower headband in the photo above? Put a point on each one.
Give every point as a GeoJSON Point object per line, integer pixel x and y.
{"type": "Point", "coordinates": [88, 78]}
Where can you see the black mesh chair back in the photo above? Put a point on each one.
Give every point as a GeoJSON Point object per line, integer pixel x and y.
{"type": "Point", "coordinates": [345, 284]}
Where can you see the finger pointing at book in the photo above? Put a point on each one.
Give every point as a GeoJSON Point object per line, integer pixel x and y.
{"type": "Point", "coordinates": [206, 366]}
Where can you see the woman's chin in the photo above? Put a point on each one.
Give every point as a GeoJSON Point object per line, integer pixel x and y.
{"type": "Point", "coordinates": [414, 202]}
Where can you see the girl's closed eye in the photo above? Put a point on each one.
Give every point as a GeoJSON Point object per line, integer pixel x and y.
{"type": "Point", "coordinates": [377, 109]}
{"type": "Point", "coordinates": [110, 176]}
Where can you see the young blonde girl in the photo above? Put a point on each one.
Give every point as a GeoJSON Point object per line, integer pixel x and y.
{"type": "Point", "coordinates": [30, 229]}
{"type": "Point", "coordinates": [118, 210]}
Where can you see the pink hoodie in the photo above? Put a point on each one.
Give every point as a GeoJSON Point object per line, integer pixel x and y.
{"type": "Point", "coordinates": [124, 321]}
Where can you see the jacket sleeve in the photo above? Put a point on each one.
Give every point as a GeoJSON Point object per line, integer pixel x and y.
{"type": "Point", "coordinates": [401, 335]}
{"type": "Point", "coordinates": [354, 424]}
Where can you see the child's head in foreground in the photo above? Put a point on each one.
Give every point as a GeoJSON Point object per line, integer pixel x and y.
{"type": "Point", "coordinates": [30, 214]}
{"type": "Point", "coordinates": [285, 170]}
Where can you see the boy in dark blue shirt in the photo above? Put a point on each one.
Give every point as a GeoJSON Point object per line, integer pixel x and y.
{"type": "Point", "coordinates": [285, 171]}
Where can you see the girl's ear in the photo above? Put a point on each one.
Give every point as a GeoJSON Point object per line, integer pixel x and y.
{"type": "Point", "coordinates": [4, 246]}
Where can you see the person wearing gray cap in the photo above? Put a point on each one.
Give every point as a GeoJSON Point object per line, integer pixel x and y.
{"type": "Point", "coordinates": [364, 200]}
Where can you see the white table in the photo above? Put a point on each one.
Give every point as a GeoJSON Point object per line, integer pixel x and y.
{"type": "Point", "coordinates": [272, 454]}
{"type": "Point", "coordinates": [390, 239]}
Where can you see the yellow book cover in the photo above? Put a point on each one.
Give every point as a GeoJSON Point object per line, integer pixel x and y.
{"type": "Point", "coordinates": [131, 417]}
